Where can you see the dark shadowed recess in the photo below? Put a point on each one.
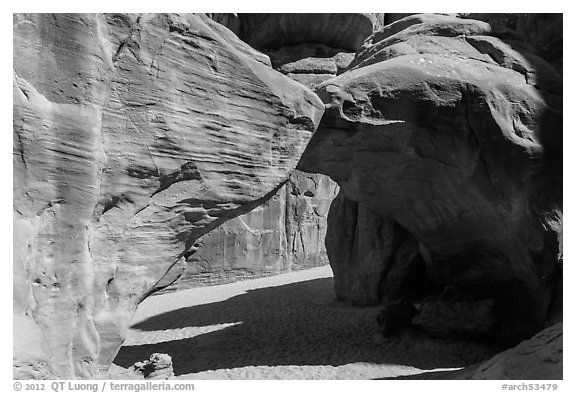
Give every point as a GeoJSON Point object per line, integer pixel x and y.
{"type": "Point", "coordinates": [541, 34]}
{"type": "Point", "coordinates": [521, 311]}
{"type": "Point", "coordinates": [294, 324]}
{"type": "Point", "coordinates": [539, 37]}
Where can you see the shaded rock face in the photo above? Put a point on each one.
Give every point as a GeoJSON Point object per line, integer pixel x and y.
{"type": "Point", "coordinates": [357, 242]}
{"type": "Point", "coordinates": [539, 358]}
{"type": "Point", "coordinates": [133, 136]}
{"type": "Point", "coordinates": [445, 136]}
{"type": "Point", "coordinates": [543, 31]}
{"type": "Point", "coordinates": [272, 31]}
{"type": "Point", "coordinates": [471, 318]}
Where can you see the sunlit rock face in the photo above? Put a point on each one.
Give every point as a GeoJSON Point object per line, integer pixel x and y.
{"type": "Point", "coordinates": [133, 136]}
{"type": "Point", "coordinates": [445, 136]}
{"type": "Point", "coordinates": [285, 233]}
{"type": "Point", "coordinates": [288, 231]}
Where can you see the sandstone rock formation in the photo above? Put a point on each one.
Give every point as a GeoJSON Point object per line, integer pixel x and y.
{"type": "Point", "coordinates": [445, 136]}
{"type": "Point", "coordinates": [272, 31]}
{"type": "Point", "coordinates": [539, 358]}
{"type": "Point", "coordinates": [309, 48]}
{"type": "Point", "coordinates": [116, 372]}
{"type": "Point", "coordinates": [159, 366]}
{"type": "Point", "coordinates": [287, 232]}
{"type": "Point", "coordinates": [542, 31]}
{"type": "Point", "coordinates": [133, 136]}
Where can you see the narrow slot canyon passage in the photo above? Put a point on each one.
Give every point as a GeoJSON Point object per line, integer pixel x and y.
{"type": "Point", "coordinates": [287, 326]}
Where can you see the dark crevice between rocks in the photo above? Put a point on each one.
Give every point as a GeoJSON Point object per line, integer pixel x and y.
{"type": "Point", "coordinates": [20, 148]}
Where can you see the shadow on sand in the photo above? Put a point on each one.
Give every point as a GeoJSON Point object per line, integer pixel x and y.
{"type": "Point", "coordinates": [294, 324]}
{"type": "Point", "coordinates": [301, 324]}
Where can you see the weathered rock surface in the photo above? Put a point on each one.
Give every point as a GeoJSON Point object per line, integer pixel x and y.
{"type": "Point", "coordinates": [116, 372]}
{"type": "Point", "coordinates": [544, 32]}
{"type": "Point", "coordinates": [159, 366]}
{"type": "Point", "coordinates": [539, 358]}
{"type": "Point", "coordinates": [310, 63]}
{"type": "Point", "coordinates": [357, 242]}
{"type": "Point", "coordinates": [449, 130]}
{"type": "Point", "coordinates": [271, 31]}
{"type": "Point", "coordinates": [133, 136]}
{"type": "Point", "coordinates": [285, 233]}
{"type": "Point", "coordinates": [471, 318]}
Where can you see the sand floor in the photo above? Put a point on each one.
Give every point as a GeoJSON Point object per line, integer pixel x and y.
{"type": "Point", "coordinates": [287, 326]}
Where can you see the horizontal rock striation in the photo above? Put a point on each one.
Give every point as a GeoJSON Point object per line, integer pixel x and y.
{"type": "Point", "coordinates": [133, 136]}
{"type": "Point", "coordinates": [445, 136]}
{"type": "Point", "coordinates": [287, 232]}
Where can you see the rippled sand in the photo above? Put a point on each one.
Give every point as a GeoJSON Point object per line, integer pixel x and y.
{"type": "Point", "coordinates": [287, 326]}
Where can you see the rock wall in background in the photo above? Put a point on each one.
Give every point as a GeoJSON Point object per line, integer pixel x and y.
{"type": "Point", "coordinates": [285, 233]}
{"type": "Point", "coordinates": [542, 31]}
{"type": "Point", "coordinates": [448, 133]}
{"type": "Point", "coordinates": [273, 31]}
{"type": "Point", "coordinates": [134, 135]}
